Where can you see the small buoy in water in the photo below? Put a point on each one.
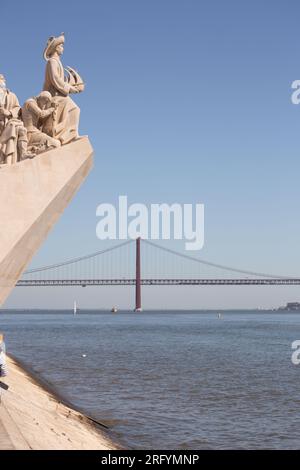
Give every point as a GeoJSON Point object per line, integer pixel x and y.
{"type": "Point", "coordinates": [83, 355]}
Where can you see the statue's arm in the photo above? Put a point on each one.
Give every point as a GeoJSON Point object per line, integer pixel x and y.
{"type": "Point", "coordinates": [13, 107]}
{"type": "Point", "coordinates": [38, 112]}
{"type": "Point", "coordinates": [57, 82]}
{"type": "Point", "coordinates": [4, 113]}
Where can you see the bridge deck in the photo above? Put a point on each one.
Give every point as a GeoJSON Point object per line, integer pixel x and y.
{"type": "Point", "coordinates": [159, 282]}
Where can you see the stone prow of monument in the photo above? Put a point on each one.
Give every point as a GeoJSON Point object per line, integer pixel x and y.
{"type": "Point", "coordinates": [33, 195]}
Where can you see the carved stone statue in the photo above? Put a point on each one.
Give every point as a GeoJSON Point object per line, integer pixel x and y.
{"type": "Point", "coordinates": [63, 125]}
{"type": "Point", "coordinates": [47, 121]}
{"type": "Point", "coordinates": [34, 193]}
{"type": "Point", "coordinates": [34, 112]}
{"type": "Point", "coordinates": [13, 135]}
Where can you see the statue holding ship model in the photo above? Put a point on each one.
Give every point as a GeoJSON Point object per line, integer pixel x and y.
{"type": "Point", "coordinates": [63, 123]}
{"type": "Point", "coordinates": [46, 121]}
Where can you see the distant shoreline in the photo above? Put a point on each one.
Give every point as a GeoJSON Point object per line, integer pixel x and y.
{"type": "Point", "coordinates": [86, 311]}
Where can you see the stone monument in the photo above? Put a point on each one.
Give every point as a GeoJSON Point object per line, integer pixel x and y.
{"type": "Point", "coordinates": [43, 162]}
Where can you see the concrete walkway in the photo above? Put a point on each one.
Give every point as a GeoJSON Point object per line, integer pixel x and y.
{"type": "Point", "coordinates": [5, 442]}
{"type": "Point", "coordinates": [10, 435]}
{"type": "Point", "coordinates": [33, 418]}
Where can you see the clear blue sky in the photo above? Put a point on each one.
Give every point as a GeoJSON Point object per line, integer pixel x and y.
{"type": "Point", "coordinates": [186, 101]}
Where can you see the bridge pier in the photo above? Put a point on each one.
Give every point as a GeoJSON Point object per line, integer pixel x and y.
{"type": "Point", "coordinates": [138, 294]}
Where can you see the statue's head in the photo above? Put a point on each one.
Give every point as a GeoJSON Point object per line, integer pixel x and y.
{"type": "Point", "coordinates": [1, 337]}
{"type": "Point", "coordinates": [54, 45]}
{"type": "Point", "coordinates": [60, 49]}
{"type": "Point", "coordinates": [44, 99]}
{"type": "Point", "coordinates": [2, 82]}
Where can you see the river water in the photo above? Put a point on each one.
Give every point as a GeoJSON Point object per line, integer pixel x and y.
{"type": "Point", "coordinates": [171, 380]}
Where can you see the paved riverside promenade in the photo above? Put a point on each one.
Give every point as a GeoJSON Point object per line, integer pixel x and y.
{"type": "Point", "coordinates": [5, 442]}
{"type": "Point", "coordinates": [31, 417]}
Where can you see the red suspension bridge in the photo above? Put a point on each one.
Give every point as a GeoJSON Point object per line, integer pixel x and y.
{"type": "Point", "coordinates": [145, 263]}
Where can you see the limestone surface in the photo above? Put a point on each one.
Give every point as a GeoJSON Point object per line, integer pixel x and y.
{"type": "Point", "coordinates": [33, 418]}
{"type": "Point", "coordinates": [33, 195]}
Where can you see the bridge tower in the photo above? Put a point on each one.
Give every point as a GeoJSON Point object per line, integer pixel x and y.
{"type": "Point", "coordinates": [138, 295]}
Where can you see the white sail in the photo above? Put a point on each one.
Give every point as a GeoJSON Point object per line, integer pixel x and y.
{"type": "Point", "coordinates": [75, 307]}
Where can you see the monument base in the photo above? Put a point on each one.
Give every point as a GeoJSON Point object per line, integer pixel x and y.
{"type": "Point", "coordinates": [33, 195]}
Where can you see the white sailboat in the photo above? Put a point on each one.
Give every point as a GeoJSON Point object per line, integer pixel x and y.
{"type": "Point", "coordinates": [75, 308]}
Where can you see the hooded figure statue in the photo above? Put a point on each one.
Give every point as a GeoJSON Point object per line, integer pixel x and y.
{"type": "Point", "coordinates": [13, 135]}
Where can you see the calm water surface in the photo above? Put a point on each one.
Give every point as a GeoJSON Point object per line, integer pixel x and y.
{"type": "Point", "coordinates": [171, 380]}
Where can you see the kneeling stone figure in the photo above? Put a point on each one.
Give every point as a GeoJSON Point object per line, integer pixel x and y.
{"type": "Point", "coordinates": [34, 112]}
